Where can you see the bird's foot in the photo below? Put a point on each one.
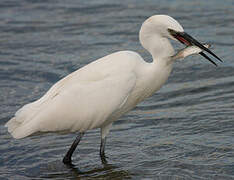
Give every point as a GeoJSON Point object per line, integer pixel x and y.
{"type": "Point", "coordinates": [67, 161]}
{"type": "Point", "coordinates": [103, 158]}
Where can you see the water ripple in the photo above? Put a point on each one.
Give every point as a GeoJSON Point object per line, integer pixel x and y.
{"type": "Point", "coordinates": [184, 131]}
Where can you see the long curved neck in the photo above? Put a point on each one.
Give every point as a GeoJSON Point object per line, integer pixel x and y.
{"type": "Point", "coordinates": [153, 39]}
{"type": "Point", "coordinates": [161, 50]}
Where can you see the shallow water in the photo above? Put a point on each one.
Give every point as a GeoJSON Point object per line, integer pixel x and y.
{"type": "Point", "coordinates": [184, 131]}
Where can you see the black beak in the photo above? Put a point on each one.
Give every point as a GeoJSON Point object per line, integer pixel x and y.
{"type": "Point", "coordinates": [188, 40]}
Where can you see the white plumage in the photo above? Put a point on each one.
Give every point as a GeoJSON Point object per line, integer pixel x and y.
{"type": "Point", "coordinates": [100, 92]}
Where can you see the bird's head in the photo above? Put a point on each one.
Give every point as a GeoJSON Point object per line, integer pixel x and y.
{"type": "Point", "coordinates": [158, 28]}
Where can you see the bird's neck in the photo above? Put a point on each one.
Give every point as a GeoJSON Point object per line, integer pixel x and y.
{"type": "Point", "coordinates": [159, 70]}
{"type": "Point", "coordinates": [155, 75]}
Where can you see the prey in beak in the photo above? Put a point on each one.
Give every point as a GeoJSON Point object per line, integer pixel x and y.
{"type": "Point", "coordinates": [186, 39]}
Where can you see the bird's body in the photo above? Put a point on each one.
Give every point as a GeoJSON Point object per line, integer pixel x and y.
{"type": "Point", "coordinates": [93, 96]}
{"type": "Point", "coordinates": [99, 93]}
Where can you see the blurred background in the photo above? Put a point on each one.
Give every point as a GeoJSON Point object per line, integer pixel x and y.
{"type": "Point", "coordinates": [184, 131]}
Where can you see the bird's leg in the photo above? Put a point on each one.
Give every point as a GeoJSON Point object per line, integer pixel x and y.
{"type": "Point", "coordinates": [67, 157]}
{"type": "Point", "coordinates": [104, 131]}
{"type": "Point", "coordinates": [102, 150]}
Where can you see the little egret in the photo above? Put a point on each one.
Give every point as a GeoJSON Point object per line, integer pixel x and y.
{"type": "Point", "coordinates": [99, 93]}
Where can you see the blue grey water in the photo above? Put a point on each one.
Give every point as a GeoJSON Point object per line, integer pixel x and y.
{"type": "Point", "coordinates": [184, 131]}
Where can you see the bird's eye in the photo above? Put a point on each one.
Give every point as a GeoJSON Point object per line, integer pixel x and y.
{"type": "Point", "coordinates": [172, 32]}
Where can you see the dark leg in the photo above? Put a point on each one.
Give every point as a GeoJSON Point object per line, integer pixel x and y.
{"type": "Point", "coordinates": [102, 150]}
{"type": "Point", "coordinates": [67, 157]}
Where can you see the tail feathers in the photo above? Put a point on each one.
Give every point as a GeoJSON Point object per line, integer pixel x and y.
{"type": "Point", "coordinates": [19, 130]}
{"type": "Point", "coordinates": [12, 125]}
{"type": "Point", "coordinates": [20, 125]}
{"type": "Point", "coordinates": [27, 112]}
{"type": "Point", "coordinates": [23, 124]}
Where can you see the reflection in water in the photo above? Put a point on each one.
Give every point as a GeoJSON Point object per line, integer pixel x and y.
{"type": "Point", "coordinates": [59, 170]}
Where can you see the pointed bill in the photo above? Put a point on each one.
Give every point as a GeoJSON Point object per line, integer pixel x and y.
{"type": "Point", "coordinates": [188, 40]}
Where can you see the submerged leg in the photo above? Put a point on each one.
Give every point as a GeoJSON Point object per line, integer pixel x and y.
{"type": "Point", "coordinates": [104, 131]}
{"type": "Point", "coordinates": [102, 150]}
{"type": "Point", "coordinates": [67, 157]}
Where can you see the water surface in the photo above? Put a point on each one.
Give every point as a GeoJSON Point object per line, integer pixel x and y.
{"type": "Point", "coordinates": [184, 131]}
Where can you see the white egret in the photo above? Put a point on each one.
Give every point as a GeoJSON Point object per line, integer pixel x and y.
{"type": "Point", "coordinates": [99, 93]}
